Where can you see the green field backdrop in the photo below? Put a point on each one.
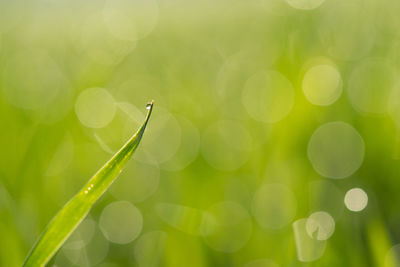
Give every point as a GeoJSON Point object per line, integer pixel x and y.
{"type": "Point", "coordinates": [274, 140]}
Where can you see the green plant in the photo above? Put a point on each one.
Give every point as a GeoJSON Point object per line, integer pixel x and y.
{"type": "Point", "coordinates": [71, 215]}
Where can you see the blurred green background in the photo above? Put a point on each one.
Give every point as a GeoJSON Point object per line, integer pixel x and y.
{"type": "Point", "coordinates": [274, 140]}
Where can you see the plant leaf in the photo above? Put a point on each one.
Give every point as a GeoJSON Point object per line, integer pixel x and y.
{"type": "Point", "coordinates": [71, 215]}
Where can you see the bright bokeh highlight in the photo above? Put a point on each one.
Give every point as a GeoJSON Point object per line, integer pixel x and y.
{"type": "Point", "coordinates": [336, 150]}
{"type": "Point", "coordinates": [121, 222]}
{"type": "Point", "coordinates": [356, 199]}
{"type": "Point", "coordinates": [322, 85]}
{"type": "Point", "coordinates": [95, 107]}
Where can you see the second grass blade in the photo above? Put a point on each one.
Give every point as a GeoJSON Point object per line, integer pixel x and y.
{"type": "Point", "coordinates": [70, 216]}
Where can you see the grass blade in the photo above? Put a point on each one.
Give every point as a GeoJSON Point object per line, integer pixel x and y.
{"type": "Point", "coordinates": [70, 216]}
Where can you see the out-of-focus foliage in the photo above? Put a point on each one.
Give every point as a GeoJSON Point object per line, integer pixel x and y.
{"type": "Point", "coordinates": [275, 140]}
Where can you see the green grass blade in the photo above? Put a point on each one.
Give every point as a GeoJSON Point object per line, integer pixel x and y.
{"type": "Point", "coordinates": [70, 216]}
